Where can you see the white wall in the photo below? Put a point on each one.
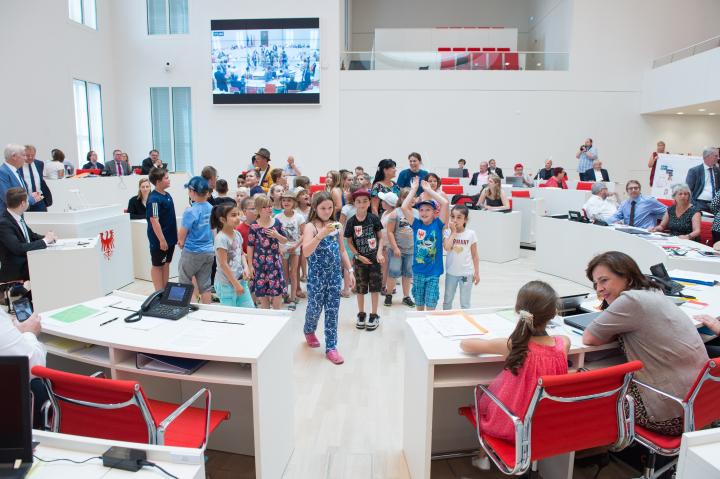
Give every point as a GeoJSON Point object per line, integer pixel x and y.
{"type": "Point", "coordinates": [550, 27]}
{"type": "Point", "coordinates": [430, 39]}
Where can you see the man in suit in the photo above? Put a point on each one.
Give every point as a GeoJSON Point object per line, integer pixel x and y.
{"type": "Point", "coordinates": [152, 161]}
{"type": "Point", "coordinates": [494, 170]}
{"type": "Point", "coordinates": [10, 174]}
{"type": "Point", "coordinates": [16, 237]}
{"type": "Point", "coordinates": [92, 162]}
{"type": "Point", "coordinates": [597, 173]}
{"type": "Point", "coordinates": [704, 179]}
{"type": "Point", "coordinates": [32, 174]}
{"type": "Point", "coordinates": [117, 166]}
{"type": "Point", "coordinates": [480, 178]}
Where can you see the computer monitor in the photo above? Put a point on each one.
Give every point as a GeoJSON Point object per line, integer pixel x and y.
{"type": "Point", "coordinates": [455, 172]}
{"type": "Point", "coordinates": [515, 181]}
{"type": "Point", "coordinates": [16, 417]}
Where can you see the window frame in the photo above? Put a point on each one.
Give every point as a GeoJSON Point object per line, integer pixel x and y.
{"type": "Point", "coordinates": [83, 17]}
{"type": "Point", "coordinates": [172, 161]}
{"type": "Point", "coordinates": [98, 148]}
{"type": "Point", "coordinates": [167, 22]}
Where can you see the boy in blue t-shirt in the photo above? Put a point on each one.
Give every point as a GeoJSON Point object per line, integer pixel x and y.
{"type": "Point", "coordinates": [161, 227]}
{"type": "Point", "coordinates": [196, 240]}
{"type": "Point", "coordinates": [428, 239]}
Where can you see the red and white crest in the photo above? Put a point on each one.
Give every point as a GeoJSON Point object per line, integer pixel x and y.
{"type": "Point", "coordinates": [421, 235]}
{"type": "Point", "coordinates": [107, 243]}
{"type": "Point", "coordinates": [358, 231]}
{"type": "Point", "coordinates": [372, 243]}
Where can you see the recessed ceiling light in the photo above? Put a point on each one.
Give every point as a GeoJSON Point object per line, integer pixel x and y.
{"type": "Point", "coordinates": [539, 64]}
{"type": "Point", "coordinates": [681, 113]}
{"type": "Point", "coordinates": [712, 113]}
{"type": "Point", "coordinates": [701, 109]}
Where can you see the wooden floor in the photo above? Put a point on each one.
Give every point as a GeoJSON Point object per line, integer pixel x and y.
{"type": "Point", "coordinates": [348, 418]}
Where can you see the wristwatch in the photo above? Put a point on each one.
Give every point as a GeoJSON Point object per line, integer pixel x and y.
{"type": "Point", "coordinates": [351, 269]}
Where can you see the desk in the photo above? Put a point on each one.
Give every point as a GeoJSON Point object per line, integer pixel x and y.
{"type": "Point", "coordinates": [249, 369]}
{"type": "Point", "coordinates": [439, 378]}
{"type": "Point", "coordinates": [182, 462]}
{"type": "Point", "coordinates": [699, 455]}
{"type": "Point", "coordinates": [559, 201]}
{"type": "Point", "coordinates": [142, 262]}
{"type": "Point", "coordinates": [498, 234]}
{"type": "Point", "coordinates": [530, 210]}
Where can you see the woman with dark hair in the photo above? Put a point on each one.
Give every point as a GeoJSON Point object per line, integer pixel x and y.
{"type": "Point", "coordinates": [55, 169]}
{"type": "Point", "coordinates": [558, 179]}
{"type": "Point", "coordinates": [383, 183]}
{"type": "Point", "coordinates": [137, 205]}
{"type": "Point", "coordinates": [406, 176]}
{"type": "Point", "coordinates": [92, 162]}
{"type": "Point", "coordinates": [650, 328]}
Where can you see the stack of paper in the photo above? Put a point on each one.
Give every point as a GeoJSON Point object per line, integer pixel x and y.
{"type": "Point", "coordinates": [454, 325]}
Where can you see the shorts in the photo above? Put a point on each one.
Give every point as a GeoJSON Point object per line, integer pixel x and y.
{"type": "Point", "coordinates": [198, 266]}
{"type": "Point", "coordinates": [293, 252]}
{"type": "Point", "coordinates": [159, 257]}
{"type": "Point", "coordinates": [426, 290]}
{"type": "Point", "coordinates": [228, 296]}
{"type": "Point", "coordinates": [400, 265]}
{"type": "Point", "coordinates": [368, 277]}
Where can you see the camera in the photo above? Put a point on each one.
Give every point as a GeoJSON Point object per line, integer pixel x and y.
{"type": "Point", "coordinates": [168, 65]}
{"type": "Point", "coordinates": [583, 148]}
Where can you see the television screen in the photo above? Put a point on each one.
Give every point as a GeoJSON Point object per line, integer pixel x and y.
{"type": "Point", "coordinates": [266, 60]}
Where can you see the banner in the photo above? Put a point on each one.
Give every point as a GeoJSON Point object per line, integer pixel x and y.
{"type": "Point", "coordinates": [671, 170]}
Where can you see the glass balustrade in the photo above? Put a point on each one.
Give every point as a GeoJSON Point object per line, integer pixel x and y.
{"type": "Point", "coordinates": [703, 46]}
{"type": "Point", "coordinates": [454, 60]}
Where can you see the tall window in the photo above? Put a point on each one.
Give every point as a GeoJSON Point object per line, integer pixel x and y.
{"type": "Point", "coordinates": [172, 126]}
{"type": "Point", "coordinates": [88, 119]}
{"type": "Point", "coordinates": [84, 11]}
{"type": "Point", "coordinates": [167, 17]}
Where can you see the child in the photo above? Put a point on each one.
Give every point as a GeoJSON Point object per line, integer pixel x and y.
{"type": "Point", "coordinates": [427, 257]}
{"type": "Point", "coordinates": [279, 177]}
{"type": "Point", "coordinates": [230, 280]}
{"type": "Point", "coordinates": [462, 258]}
{"type": "Point", "coordinates": [302, 182]}
{"type": "Point", "coordinates": [266, 269]}
{"type": "Point", "coordinates": [222, 197]}
{"type": "Point", "coordinates": [196, 240]}
{"type": "Point", "coordinates": [389, 200]}
{"type": "Point", "coordinates": [248, 210]}
{"type": "Point", "coordinates": [364, 180]}
{"type": "Point", "coordinates": [366, 245]}
{"type": "Point", "coordinates": [333, 185]}
{"type": "Point", "coordinates": [400, 251]}
{"type": "Point", "coordinates": [241, 180]}
{"type": "Point", "coordinates": [276, 192]}
{"type": "Point", "coordinates": [348, 211]}
{"type": "Point", "coordinates": [251, 182]}
{"type": "Point", "coordinates": [291, 222]}
{"type": "Point", "coordinates": [161, 228]}
{"type": "Point", "coordinates": [241, 193]}
{"type": "Point", "coordinates": [209, 174]}
{"type": "Point", "coordinates": [303, 200]}
{"type": "Point", "coordinates": [322, 246]}
{"type": "Point", "coordinates": [530, 353]}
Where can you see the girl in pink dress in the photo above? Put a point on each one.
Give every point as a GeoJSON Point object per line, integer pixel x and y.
{"type": "Point", "coordinates": [530, 353]}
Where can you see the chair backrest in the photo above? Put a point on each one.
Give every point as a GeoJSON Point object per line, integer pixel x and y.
{"type": "Point", "coordinates": [702, 398]}
{"type": "Point", "coordinates": [451, 181]}
{"type": "Point", "coordinates": [584, 185]}
{"type": "Point", "coordinates": [520, 194]}
{"type": "Point", "coordinates": [666, 201]}
{"type": "Point", "coordinates": [97, 407]}
{"type": "Point", "coordinates": [322, 179]}
{"type": "Point", "coordinates": [315, 188]}
{"type": "Point", "coordinates": [452, 189]}
{"type": "Point", "coordinates": [571, 412]}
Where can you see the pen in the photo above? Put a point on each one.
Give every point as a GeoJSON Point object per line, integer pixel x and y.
{"type": "Point", "coordinates": [221, 322]}
{"type": "Point", "coordinates": [108, 321]}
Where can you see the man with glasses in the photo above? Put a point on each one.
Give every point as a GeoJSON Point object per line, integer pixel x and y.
{"type": "Point", "coordinates": [639, 211]}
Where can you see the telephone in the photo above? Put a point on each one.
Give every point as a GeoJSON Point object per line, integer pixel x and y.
{"type": "Point", "coordinates": [173, 303]}
{"type": "Point", "coordinates": [661, 278]}
{"type": "Point", "coordinates": [577, 216]}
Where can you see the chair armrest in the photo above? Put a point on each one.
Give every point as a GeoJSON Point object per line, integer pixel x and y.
{"type": "Point", "coordinates": [516, 420]}
{"type": "Point", "coordinates": [99, 374]}
{"type": "Point", "coordinates": [177, 412]}
{"type": "Point", "coordinates": [45, 411]}
{"type": "Point", "coordinates": [658, 391]}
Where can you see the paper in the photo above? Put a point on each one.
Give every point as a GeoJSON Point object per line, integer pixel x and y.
{"type": "Point", "coordinates": [146, 323]}
{"type": "Point", "coordinates": [194, 338]}
{"type": "Point", "coordinates": [449, 325]}
{"type": "Point", "coordinates": [64, 344]}
{"type": "Point", "coordinates": [74, 313]}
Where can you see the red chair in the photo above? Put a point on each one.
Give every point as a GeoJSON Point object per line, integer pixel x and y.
{"type": "Point", "coordinates": [452, 189]}
{"type": "Point", "coordinates": [322, 180]}
{"type": "Point", "coordinates": [494, 61]}
{"type": "Point", "coordinates": [459, 49]}
{"type": "Point", "coordinates": [520, 193]}
{"type": "Point", "coordinates": [510, 203]}
{"type": "Point", "coordinates": [315, 188]}
{"type": "Point", "coordinates": [511, 61]}
{"type": "Point", "coordinates": [666, 202]}
{"type": "Point", "coordinates": [444, 49]}
{"type": "Point", "coordinates": [488, 49]}
{"type": "Point", "coordinates": [542, 185]}
{"type": "Point", "coordinates": [568, 412]}
{"type": "Point", "coordinates": [270, 88]}
{"type": "Point", "coordinates": [90, 171]}
{"type": "Point", "coordinates": [450, 181]}
{"type": "Point", "coordinates": [584, 185]}
{"type": "Point", "coordinates": [463, 61]}
{"type": "Point", "coordinates": [700, 408]}
{"type": "Point", "coordinates": [503, 49]}
{"type": "Point", "coordinates": [93, 406]}
{"type": "Point", "coordinates": [137, 171]}
{"type": "Point", "coordinates": [478, 61]}
{"type": "Point", "coordinates": [706, 233]}
{"type": "Point", "coordinates": [447, 61]}
{"type": "Point", "coordinates": [464, 201]}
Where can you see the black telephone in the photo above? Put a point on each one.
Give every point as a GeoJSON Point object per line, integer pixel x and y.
{"type": "Point", "coordinates": [173, 303]}
{"type": "Point", "coordinates": [577, 216]}
{"type": "Point", "coordinates": [661, 278]}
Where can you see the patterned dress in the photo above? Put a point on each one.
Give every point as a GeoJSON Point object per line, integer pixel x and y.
{"type": "Point", "coordinates": [380, 188]}
{"type": "Point", "coordinates": [680, 225]}
{"type": "Point", "coordinates": [266, 261]}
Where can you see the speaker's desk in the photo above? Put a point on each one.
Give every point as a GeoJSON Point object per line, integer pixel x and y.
{"type": "Point", "coordinates": [142, 262]}
{"type": "Point", "coordinates": [249, 369]}
{"type": "Point", "coordinates": [498, 234]}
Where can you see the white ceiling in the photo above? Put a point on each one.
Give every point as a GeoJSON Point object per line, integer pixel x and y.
{"type": "Point", "coordinates": [700, 109]}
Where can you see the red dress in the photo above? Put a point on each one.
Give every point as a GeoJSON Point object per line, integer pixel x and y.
{"type": "Point", "coordinates": [553, 183]}
{"type": "Point", "coordinates": [515, 392]}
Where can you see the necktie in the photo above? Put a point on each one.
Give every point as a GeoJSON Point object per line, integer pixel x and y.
{"type": "Point", "coordinates": [119, 168]}
{"type": "Point", "coordinates": [24, 229]}
{"type": "Point", "coordinates": [711, 173]}
{"type": "Point", "coordinates": [632, 213]}
{"type": "Point", "coordinates": [22, 181]}
{"type": "Point", "coordinates": [32, 177]}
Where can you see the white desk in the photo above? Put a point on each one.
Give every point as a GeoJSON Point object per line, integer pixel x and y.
{"type": "Point", "coordinates": [699, 455]}
{"type": "Point", "coordinates": [439, 378]}
{"type": "Point", "coordinates": [530, 210]}
{"type": "Point", "coordinates": [182, 462]}
{"type": "Point", "coordinates": [142, 262]}
{"type": "Point", "coordinates": [559, 201]}
{"type": "Point", "coordinates": [249, 370]}
{"type": "Point", "coordinates": [564, 248]}
{"type": "Point", "coordinates": [498, 234]}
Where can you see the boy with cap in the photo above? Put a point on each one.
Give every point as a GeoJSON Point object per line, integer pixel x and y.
{"type": "Point", "coordinates": [363, 233]}
{"type": "Point", "coordinates": [291, 221]}
{"type": "Point", "coordinates": [196, 240]}
{"type": "Point", "coordinates": [161, 227]}
{"type": "Point", "coordinates": [428, 237]}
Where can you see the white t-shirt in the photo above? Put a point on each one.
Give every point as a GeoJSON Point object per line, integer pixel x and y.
{"type": "Point", "coordinates": [52, 168]}
{"type": "Point", "coordinates": [291, 225]}
{"type": "Point", "coordinates": [459, 259]}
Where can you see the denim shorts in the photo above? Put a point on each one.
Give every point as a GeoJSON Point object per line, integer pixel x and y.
{"type": "Point", "coordinates": [400, 265]}
{"type": "Point", "coordinates": [426, 290]}
{"type": "Point", "coordinates": [229, 297]}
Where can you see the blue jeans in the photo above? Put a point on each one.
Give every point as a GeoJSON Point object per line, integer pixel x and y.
{"type": "Point", "coordinates": [229, 297]}
{"type": "Point", "coordinates": [451, 284]}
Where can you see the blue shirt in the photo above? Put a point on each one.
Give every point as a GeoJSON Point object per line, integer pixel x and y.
{"type": "Point", "coordinates": [161, 206]}
{"type": "Point", "coordinates": [585, 163]}
{"type": "Point", "coordinates": [428, 251]}
{"type": "Point", "coordinates": [196, 220]}
{"type": "Point", "coordinates": [257, 190]}
{"type": "Point", "coordinates": [648, 211]}
{"type": "Point", "coordinates": [406, 176]}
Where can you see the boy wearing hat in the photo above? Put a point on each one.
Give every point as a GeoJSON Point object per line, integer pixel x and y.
{"type": "Point", "coordinates": [362, 231]}
{"type": "Point", "coordinates": [161, 227]}
{"type": "Point", "coordinates": [196, 240]}
{"type": "Point", "coordinates": [291, 221]}
{"type": "Point", "coordinates": [262, 167]}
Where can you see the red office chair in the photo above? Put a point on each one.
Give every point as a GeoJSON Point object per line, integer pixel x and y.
{"type": "Point", "coordinates": [666, 202]}
{"type": "Point", "coordinates": [90, 171]}
{"type": "Point", "coordinates": [706, 233]}
{"type": "Point", "coordinates": [543, 185]}
{"type": "Point", "coordinates": [137, 170]}
{"type": "Point", "coordinates": [322, 179]}
{"type": "Point", "coordinates": [315, 188]}
{"type": "Point", "coordinates": [450, 181]}
{"type": "Point", "coordinates": [584, 185]}
{"type": "Point", "coordinates": [452, 189]}
{"type": "Point", "coordinates": [93, 406]}
{"type": "Point", "coordinates": [700, 408]}
{"type": "Point", "coordinates": [568, 412]}
{"type": "Point", "coordinates": [520, 193]}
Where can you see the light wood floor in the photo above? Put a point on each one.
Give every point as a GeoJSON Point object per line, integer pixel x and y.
{"type": "Point", "coordinates": [348, 418]}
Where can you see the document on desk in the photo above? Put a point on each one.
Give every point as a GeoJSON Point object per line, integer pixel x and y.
{"type": "Point", "coordinates": [193, 338]}
{"type": "Point", "coordinates": [454, 325]}
{"type": "Point", "coordinates": [75, 313]}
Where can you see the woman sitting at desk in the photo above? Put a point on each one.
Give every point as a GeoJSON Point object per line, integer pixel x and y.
{"type": "Point", "coordinates": [649, 328]}
{"type": "Point", "coordinates": [137, 204]}
{"type": "Point", "coordinates": [493, 198]}
{"type": "Point", "coordinates": [681, 219]}
{"type": "Point", "coordinates": [558, 179]}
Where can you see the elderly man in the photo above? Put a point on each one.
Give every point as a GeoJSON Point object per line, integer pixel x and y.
{"type": "Point", "coordinates": [152, 161]}
{"type": "Point", "coordinates": [545, 173]}
{"type": "Point", "coordinates": [11, 175]}
{"type": "Point", "coordinates": [637, 210]}
{"type": "Point", "coordinates": [601, 205]}
{"type": "Point", "coordinates": [263, 168]}
{"type": "Point", "coordinates": [597, 173]}
{"type": "Point", "coordinates": [519, 172]}
{"type": "Point", "coordinates": [117, 166]}
{"type": "Point", "coordinates": [480, 178]}
{"type": "Point", "coordinates": [587, 153]}
{"type": "Point", "coordinates": [704, 180]}
{"type": "Point", "coordinates": [32, 173]}
{"type": "Point", "coordinates": [291, 168]}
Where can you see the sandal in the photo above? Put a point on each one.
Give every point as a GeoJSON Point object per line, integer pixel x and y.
{"type": "Point", "coordinates": [292, 307]}
{"type": "Point", "coordinates": [345, 294]}
{"type": "Point", "coordinates": [301, 294]}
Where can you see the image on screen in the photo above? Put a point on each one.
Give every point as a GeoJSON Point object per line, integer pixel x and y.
{"type": "Point", "coordinates": [265, 60]}
{"type": "Point", "coordinates": [177, 293]}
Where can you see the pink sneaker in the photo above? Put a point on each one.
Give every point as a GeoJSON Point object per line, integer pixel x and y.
{"type": "Point", "coordinates": [334, 357]}
{"type": "Point", "coordinates": [312, 340]}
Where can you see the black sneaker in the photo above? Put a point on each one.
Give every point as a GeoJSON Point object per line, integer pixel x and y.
{"type": "Point", "coordinates": [388, 300]}
{"type": "Point", "coordinates": [407, 301]}
{"type": "Point", "coordinates": [360, 324]}
{"type": "Point", "coordinates": [373, 322]}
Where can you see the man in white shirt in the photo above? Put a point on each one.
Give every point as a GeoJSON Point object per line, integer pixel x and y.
{"type": "Point", "coordinates": [601, 205]}
{"type": "Point", "coordinates": [32, 173]}
{"type": "Point", "coordinates": [704, 180]}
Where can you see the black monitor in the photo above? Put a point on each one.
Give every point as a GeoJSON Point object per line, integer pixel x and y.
{"type": "Point", "coordinates": [15, 404]}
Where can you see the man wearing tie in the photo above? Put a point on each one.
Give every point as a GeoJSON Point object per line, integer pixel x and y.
{"type": "Point", "coordinates": [639, 211]}
{"type": "Point", "coordinates": [117, 166]}
{"type": "Point", "coordinates": [16, 238]}
{"type": "Point", "coordinates": [704, 180]}
{"type": "Point", "coordinates": [11, 174]}
{"type": "Point", "coordinates": [32, 174]}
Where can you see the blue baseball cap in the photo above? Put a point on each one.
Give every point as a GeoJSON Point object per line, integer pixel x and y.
{"type": "Point", "coordinates": [429, 203]}
{"type": "Point", "coordinates": [198, 184]}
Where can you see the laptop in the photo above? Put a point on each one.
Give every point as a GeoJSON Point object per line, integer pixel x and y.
{"type": "Point", "coordinates": [515, 181]}
{"type": "Point", "coordinates": [16, 455]}
{"type": "Point", "coordinates": [571, 303]}
{"type": "Point", "coordinates": [455, 172]}
{"type": "Point", "coordinates": [580, 321]}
